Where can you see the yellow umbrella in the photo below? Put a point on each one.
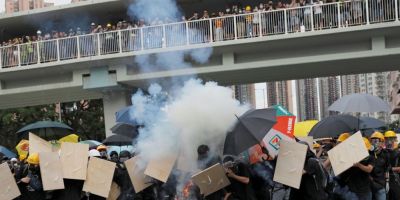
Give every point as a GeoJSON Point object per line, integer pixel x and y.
{"type": "Point", "coordinates": [73, 138]}
{"type": "Point", "coordinates": [301, 129]}
{"type": "Point", "coordinates": [23, 147]}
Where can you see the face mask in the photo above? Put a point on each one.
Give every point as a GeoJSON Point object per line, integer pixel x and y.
{"type": "Point", "coordinates": [33, 168]}
{"type": "Point", "coordinates": [123, 159]}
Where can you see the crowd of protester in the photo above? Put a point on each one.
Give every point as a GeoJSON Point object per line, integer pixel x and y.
{"type": "Point", "coordinates": [376, 177]}
{"type": "Point", "coordinates": [249, 23]}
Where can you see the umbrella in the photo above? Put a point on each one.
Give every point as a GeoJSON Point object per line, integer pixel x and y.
{"type": "Point", "coordinates": [371, 123]}
{"type": "Point", "coordinates": [72, 138]}
{"type": "Point", "coordinates": [22, 147]}
{"type": "Point", "coordinates": [124, 116]}
{"type": "Point", "coordinates": [125, 129]}
{"type": "Point", "coordinates": [45, 129]}
{"type": "Point", "coordinates": [91, 143]}
{"type": "Point", "coordinates": [249, 130]}
{"type": "Point", "coordinates": [333, 126]}
{"type": "Point", "coordinates": [301, 129]}
{"type": "Point", "coordinates": [117, 140]}
{"type": "Point", "coordinates": [7, 153]}
{"type": "Point", "coordinates": [360, 103]}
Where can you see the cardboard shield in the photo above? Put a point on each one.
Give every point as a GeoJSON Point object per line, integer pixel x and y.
{"type": "Point", "coordinates": [136, 173]}
{"type": "Point", "coordinates": [115, 191]}
{"type": "Point", "coordinates": [74, 159]}
{"type": "Point", "coordinates": [9, 189]}
{"type": "Point", "coordinates": [290, 164]}
{"type": "Point", "coordinates": [340, 157]}
{"type": "Point", "coordinates": [99, 177]}
{"type": "Point", "coordinates": [161, 168]}
{"type": "Point", "coordinates": [51, 171]}
{"type": "Point", "coordinates": [38, 145]}
{"type": "Point", "coordinates": [211, 179]}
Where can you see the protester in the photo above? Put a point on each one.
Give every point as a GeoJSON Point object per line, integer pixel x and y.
{"type": "Point", "coordinates": [121, 177]}
{"type": "Point", "coordinates": [314, 180]}
{"type": "Point", "coordinates": [394, 165]}
{"type": "Point", "coordinates": [33, 180]}
{"type": "Point", "coordinates": [239, 176]}
{"type": "Point", "coordinates": [103, 152]}
{"type": "Point", "coordinates": [380, 172]}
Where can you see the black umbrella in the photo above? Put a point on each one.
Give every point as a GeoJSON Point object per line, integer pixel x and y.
{"type": "Point", "coordinates": [125, 129]}
{"type": "Point", "coordinates": [46, 129]}
{"type": "Point", "coordinates": [333, 126]}
{"type": "Point", "coordinates": [117, 140]}
{"type": "Point", "coordinates": [250, 130]}
{"type": "Point", "coordinates": [124, 116]}
{"type": "Point", "coordinates": [371, 123]}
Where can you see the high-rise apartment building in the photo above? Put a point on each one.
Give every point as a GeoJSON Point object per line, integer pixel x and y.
{"type": "Point", "coordinates": [246, 94]}
{"type": "Point", "coordinates": [394, 94]}
{"type": "Point", "coordinates": [328, 94]}
{"type": "Point", "coordinates": [349, 84]}
{"type": "Point", "coordinates": [307, 99]}
{"type": "Point", "coordinates": [13, 6]}
{"type": "Point", "coordinates": [280, 92]}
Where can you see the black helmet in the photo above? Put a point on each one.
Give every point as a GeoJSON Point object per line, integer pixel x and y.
{"type": "Point", "coordinates": [125, 154]}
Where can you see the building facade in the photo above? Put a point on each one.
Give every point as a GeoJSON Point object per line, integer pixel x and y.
{"type": "Point", "coordinates": [245, 94]}
{"type": "Point", "coordinates": [307, 99]}
{"type": "Point", "coordinates": [12, 6]}
{"type": "Point", "coordinates": [280, 92]}
{"type": "Point", "coordinates": [329, 92]}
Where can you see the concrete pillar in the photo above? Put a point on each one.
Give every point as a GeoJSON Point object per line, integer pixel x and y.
{"type": "Point", "coordinates": [113, 102]}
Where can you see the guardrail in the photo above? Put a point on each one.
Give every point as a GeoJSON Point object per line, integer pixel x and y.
{"type": "Point", "coordinates": [260, 24]}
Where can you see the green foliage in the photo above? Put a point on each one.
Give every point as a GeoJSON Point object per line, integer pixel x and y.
{"type": "Point", "coordinates": [85, 117]}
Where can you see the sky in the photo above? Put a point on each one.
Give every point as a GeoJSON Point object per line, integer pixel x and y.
{"type": "Point", "coordinates": [56, 2]}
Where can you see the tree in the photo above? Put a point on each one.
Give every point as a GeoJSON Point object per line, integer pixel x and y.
{"type": "Point", "coordinates": [11, 120]}
{"type": "Point", "coordinates": [85, 117]}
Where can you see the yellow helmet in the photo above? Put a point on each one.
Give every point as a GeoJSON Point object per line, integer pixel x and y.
{"type": "Point", "coordinates": [248, 8]}
{"type": "Point", "coordinates": [33, 159]}
{"type": "Point", "coordinates": [22, 157]}
{"type": "Point", "coordinates": [343, 137]}
{"type": "Point", "coordinates": [316, 145]}
{"type": "Point", "coordinates": [378, 135]}
{"type": "Point", "coordinates": [367, 143]}
{"type": "Point", "coordinates": [108, 25]}
{"type": "Point", "coordinates": [390, 134]}
{"type": "Point", "coordinates": [101, 148]}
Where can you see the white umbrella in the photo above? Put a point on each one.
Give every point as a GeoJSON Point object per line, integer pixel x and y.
{"type": "Point", "coordinates": [360, 103]}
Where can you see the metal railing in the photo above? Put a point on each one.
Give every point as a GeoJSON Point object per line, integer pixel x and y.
{"type": "Point", "coordinates": [233, 27]}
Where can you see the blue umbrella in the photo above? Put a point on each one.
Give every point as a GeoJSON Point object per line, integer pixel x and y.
{"type": "Point", "coordinates": [7, 153]}
{"type": "Point", "coordinates": [124, 116]}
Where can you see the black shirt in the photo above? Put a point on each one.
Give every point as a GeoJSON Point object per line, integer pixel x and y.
{"type": "Point", "coordinates": [357, 180]}
{"type": "Point", "coordinates": [238, 189]}
{"type": "Point", "coordinates": [381, 165]}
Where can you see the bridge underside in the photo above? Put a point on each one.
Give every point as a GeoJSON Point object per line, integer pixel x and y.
{"type": "Point", "coordinates": [351, 50]}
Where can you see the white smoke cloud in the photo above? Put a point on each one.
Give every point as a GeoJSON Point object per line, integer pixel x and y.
{"type": "Point", "coordinates": [198, 114]}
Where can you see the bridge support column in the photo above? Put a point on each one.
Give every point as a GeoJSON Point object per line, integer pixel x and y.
{"type": "Point", "coordinates": [112, 102]}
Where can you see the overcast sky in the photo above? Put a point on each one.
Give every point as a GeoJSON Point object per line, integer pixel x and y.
{"type": "Point", "coordinates": [56, 2]}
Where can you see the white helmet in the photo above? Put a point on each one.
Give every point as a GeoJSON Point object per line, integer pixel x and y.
{"type": "Point", "coordinates": [39, 32]}
{"type": "Point", "coordinates": [94, 153]}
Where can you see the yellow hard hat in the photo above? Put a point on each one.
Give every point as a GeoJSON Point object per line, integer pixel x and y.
{"type": "Point", "coordinates": [316, 145]}
{"type": "Point", "coordinates": [248, 8]}
{"type": "Point", "coordinates": [343, 137]}
{"type": "Point", "coordinates": [108, 25]}
{"type": "Point", "coordinates": [33, 159]}
{"type": "Point", "coordinates": [390, 134]}
{"type": "Point", "coordinates": [378, 135]}
{"type": "Point", "coordinates": [367, 143]}
{"type": "Point", "coordinates": [22, 157]}
{"type": "Point", "coordinates": [101, 147]}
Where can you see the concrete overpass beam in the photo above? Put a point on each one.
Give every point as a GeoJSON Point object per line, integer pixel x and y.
{"type": "Point", "coordinates": [228, 58]}
{"type": "Point", "coordinates": [378, 43]}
